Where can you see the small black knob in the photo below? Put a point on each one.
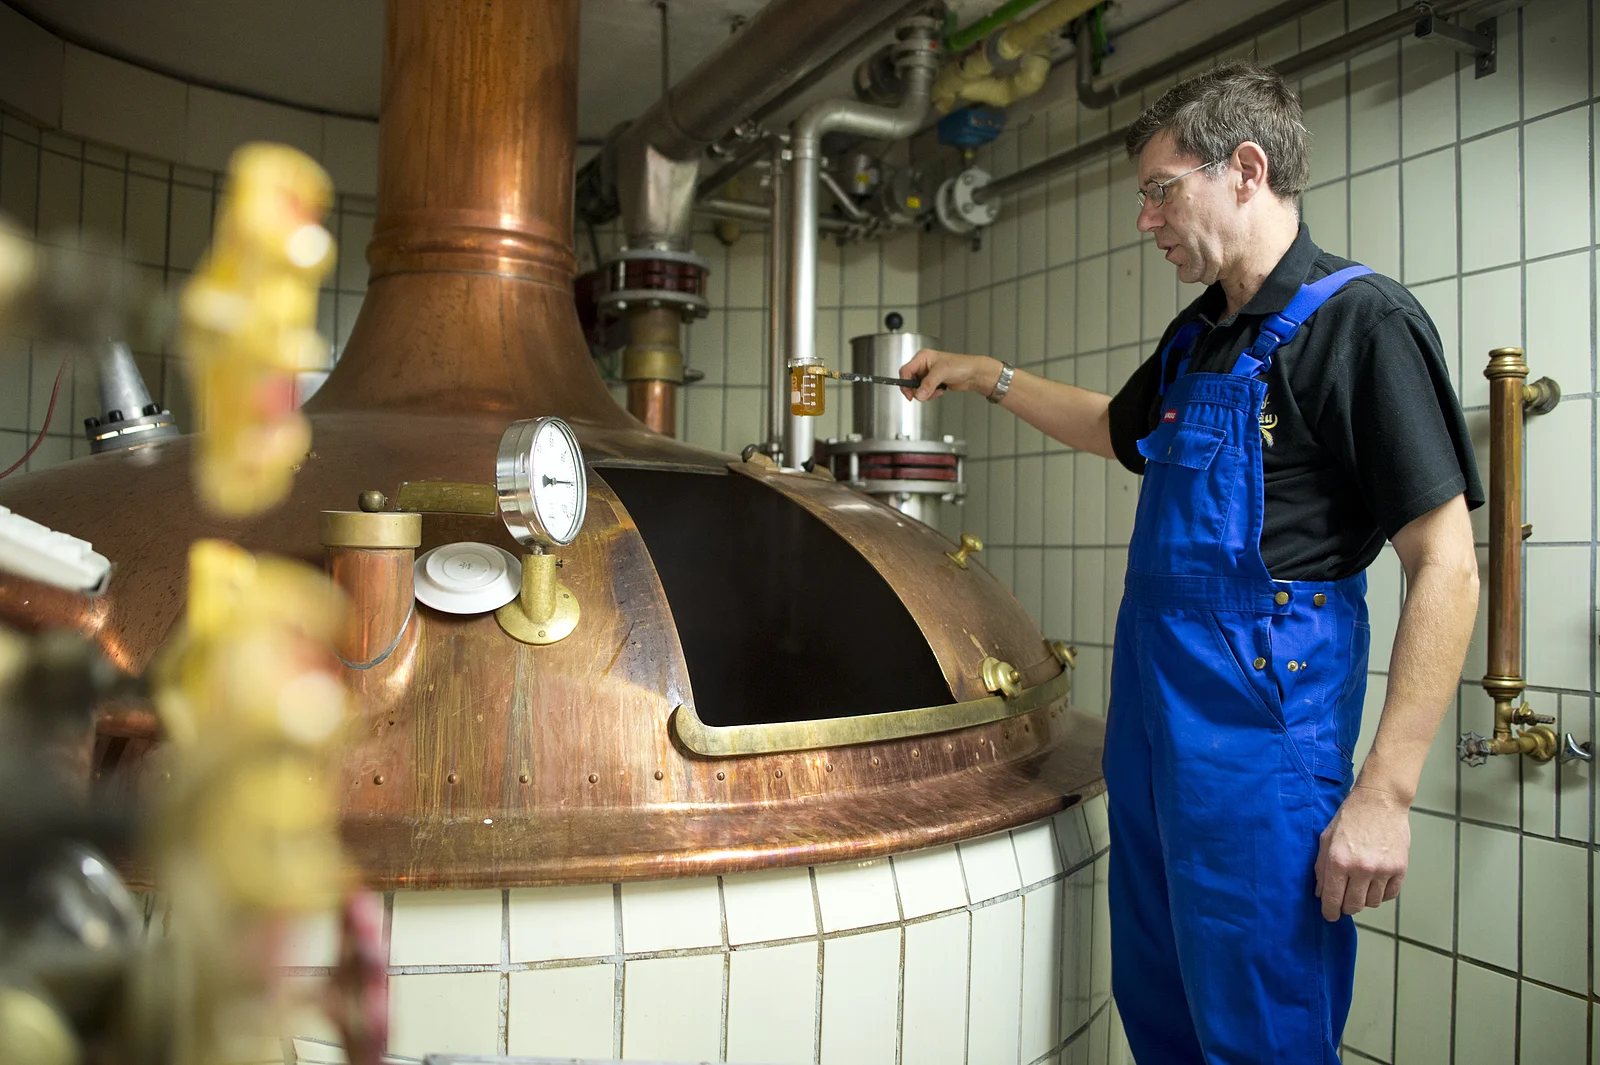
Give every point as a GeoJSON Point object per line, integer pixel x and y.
{"type": "Point", "coordinates": [892, 321]}
{"type": "Point", "coordinates": [113, 415]}
{"type": "Point", "coordinates": [91, 424]}
{"type": "Point", "coordinates": [151, 410]}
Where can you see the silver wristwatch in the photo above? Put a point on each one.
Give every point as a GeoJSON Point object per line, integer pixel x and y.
{"type": "Point", "coordinates": [1002, 386]}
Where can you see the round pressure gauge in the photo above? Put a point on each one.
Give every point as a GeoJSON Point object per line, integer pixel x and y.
{"type": "Point", "coordinates": [540, 481]}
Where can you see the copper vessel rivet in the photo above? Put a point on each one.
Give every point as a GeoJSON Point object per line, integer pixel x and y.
{"type": "Point", "coordinates": [378, 779]}
{"type": "Point", "coordinates": [827, 767]}
{"type": "Point", "coordinates": [721, 775]}
{"type": "Point", "coordinates": [949, 748]}
{"type": "Point", "coordinates": [1027, 727]}
{"type": "Point", "coordinates": [659, 774]}
{"type": "Point", "coordinates": [523, 778]}
{"type": "Point", "coordinates": [594, 778]}
{"type": "Point", "coordinates": [778, 773]}
{"type": "Point", "coordinates": [452, 778]}
{"type": "Point", "coordinates": [915, 753]}
{"type": "Point", "coordinates": [874, 759]}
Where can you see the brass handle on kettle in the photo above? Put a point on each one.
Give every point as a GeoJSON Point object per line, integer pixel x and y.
{"type": "Point", "coordinates": [970, 545]}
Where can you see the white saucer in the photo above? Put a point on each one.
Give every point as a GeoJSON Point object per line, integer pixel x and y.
{"type": "Point", "coordinates": [467, 578]}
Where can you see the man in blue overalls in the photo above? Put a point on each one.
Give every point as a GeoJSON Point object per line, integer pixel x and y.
{"type": "Point", "coordinates": [1293, 417]}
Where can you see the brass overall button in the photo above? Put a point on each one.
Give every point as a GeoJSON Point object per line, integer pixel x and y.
{"type": "Point", "coordinates": [1260, 663]}
{"type": "Point", "coordinates": [1294, 666]}
{"type": "Point", "coordinates": [1281, 598]}
{"type": "Point", "coordinates": [1319, 599]}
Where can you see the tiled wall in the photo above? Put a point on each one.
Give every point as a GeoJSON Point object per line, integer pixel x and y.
{"type": "Point", "coordinates": [1478, 194]}
{"type": "Point", "coordinates": [989, 952]}
{"type": "Point", "coordinates": [60, 188]}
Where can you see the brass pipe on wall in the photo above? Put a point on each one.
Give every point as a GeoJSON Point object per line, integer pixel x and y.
{"type": "Point", "coordinates": [1517, 730]}
{"type": "Point", "coordinates": [652, 364]}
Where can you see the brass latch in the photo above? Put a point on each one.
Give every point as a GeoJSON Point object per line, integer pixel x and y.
{"type": "Point", "coordinates": [970, 545]}
{"type": "Point", "coordinates": [1001, 678]}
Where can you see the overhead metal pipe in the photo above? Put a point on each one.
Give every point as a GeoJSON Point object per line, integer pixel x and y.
{"type": "Point", "coordinates": [917, 60]}
{"type": "Point", "coordinates": [1337, 50]}
{"type": "Point", "coordinates": [777, 318]}
{"type": "Point", "coordinates": [740, 211]}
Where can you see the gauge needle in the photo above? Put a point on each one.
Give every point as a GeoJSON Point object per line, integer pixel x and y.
{"type": "Point", "coordinates": [549, 480]}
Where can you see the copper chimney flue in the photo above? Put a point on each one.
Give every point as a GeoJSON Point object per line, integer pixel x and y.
{"type": "Point", "coordinates": [470, 303]}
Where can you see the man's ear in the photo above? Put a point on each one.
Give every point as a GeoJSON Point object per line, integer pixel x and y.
{"type": "Point", "coordinates": [1251, 160]}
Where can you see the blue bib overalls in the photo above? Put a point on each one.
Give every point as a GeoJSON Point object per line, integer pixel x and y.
{"type": "Point", "coordinates": [1235, 704]}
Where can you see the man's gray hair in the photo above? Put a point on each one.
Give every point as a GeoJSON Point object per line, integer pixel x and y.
{"type": "Point", "coordinates": [1213, 113]}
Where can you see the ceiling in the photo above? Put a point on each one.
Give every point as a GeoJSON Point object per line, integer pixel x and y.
{"type": "Point", "coordinates": [326, 54]}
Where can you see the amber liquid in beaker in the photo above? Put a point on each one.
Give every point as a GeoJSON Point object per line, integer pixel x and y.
{"type": "Point", "coordinates": [806, 394]}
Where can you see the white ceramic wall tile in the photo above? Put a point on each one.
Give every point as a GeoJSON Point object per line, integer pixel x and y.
{"type": "Point", "coordinates": [113, 102]}
{"type": "Point", "coordinates": [1559, 318]}
{"type": "Point", "coordinates": [856, 894]}
{"type": "Point", "coordinates": [446, 928]}
{"type": "Point", "coordinates": [563, 922]}
{"type": "Point", "coordinates": [1038, 858]}
{"type": "Point", "coordinates": [996, 994]}
{"type": "Point", "coordinates": [1422, 1007]}
{"type": "Point", "coordinates": [1159, 295]}
{"type": "Point", "coordinates": [440, 1013]}
{"type": "Point", "coordinates": [1488, 892]}
{"type": "Point", "coordinates": [1491, 317]}
{"type": "Point", "coordinates": [1061, 301]}
{"type": "Point", "coordinates": [350, 154]}
{"type": "Point", "coordinates": [1428, 108]}
{"type": "Point", "coordinates": [1092, 315]}
{"type": "Point", "coordinates": [1057, 618]}
{"type": "Point", "coordinates": [1559, 627]}
{"type": "Point", "coordinates": [1384, 597]}
{"type": "Point", "coordinates": [772, 1005]}
{"type": "Point", "coordinates": [767, 905]}
{"type": "Point", "coordinates": [1323, 99]}
{"type": "Point", "coordinates": [1557, 182]}
{"type": "Point", "coordinates": [1374, 103]}
{"type": "Point", "coordinates": [1489, 190]}
{"type": "Point", "coordinates": [1370, 1028]}
{"type": "Point", "coordinates": [672, 1008]}
{"type": "Point", "coordinates": [990, 866]}
{"type": "Point", "coordinates": [1041, 970]}
{"type": "Point", "coordinates": [934, 1024]}
{"type": "Point", "coordinates": [671, 915]}
{"type": "Point", "coordinates": [1427, 899]}
{"type": "Point", "coordinates": [1554, 903]}
{"type": "Point", "coordinates": [1429, 193]}
{"type": "Point", "coordinates": [1554, 1026]}
{"type": "Point", "coordinates": [1375, 220]}
{"type": "Point", "coordinates": [1088, 486]}
{"type": "Point", "coordinates": [1560, 450]}
{"type": "Point", "coordinates": [1124, 296]}
{"type": "Point", "coordinates": [860, 998]}
{"type": "Point", "coordinates": [1484, 1003]}
{"type": "Point", "coordinates": [1326, 210]}
{"type": "Point", "coordinates": [560, 1013]}
{"type": "Point", "coordinates": [1555, 49]}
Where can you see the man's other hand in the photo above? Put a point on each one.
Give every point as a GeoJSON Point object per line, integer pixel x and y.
{"type": "Point", "coordinates": [1363, 853]}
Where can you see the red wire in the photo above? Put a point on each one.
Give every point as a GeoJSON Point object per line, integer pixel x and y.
{"type": "Point", "coordinates": [48, 413]}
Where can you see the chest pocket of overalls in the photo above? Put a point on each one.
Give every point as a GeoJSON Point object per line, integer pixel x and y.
{"type": "Point", "coordinates": [1186, 496]}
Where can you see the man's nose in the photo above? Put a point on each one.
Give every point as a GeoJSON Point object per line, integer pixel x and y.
{"type": "Point", "coordinates": [1149, 219]}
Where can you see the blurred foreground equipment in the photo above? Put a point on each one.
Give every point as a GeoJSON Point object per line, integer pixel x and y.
{"type": "Point", "coordinates": [248, 319]}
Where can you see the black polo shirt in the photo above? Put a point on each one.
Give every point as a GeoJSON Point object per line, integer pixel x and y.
{"type": "Point", "coordinates": [1361, 432]}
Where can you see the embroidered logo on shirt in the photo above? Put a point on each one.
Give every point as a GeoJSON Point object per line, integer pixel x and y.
{"type": "Point", "coordinates": [1169, 416]}
{"type": "Point", "coordinates": [1269, 422]}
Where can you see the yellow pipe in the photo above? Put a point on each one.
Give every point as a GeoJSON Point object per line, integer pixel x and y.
{"type": "Point", "coordinates": [1026, 42]}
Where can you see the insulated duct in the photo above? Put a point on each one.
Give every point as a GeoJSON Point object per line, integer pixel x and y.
{"type": "Point", "coordinates": [917, 60]}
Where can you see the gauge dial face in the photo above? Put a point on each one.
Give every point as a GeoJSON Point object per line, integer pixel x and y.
{"type": "Point", "coordinates": [541, 484]}
{"type": "Point", "coordinates": [557, 481]}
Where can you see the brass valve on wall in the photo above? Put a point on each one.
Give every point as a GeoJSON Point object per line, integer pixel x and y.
{"type": "Point", "coordinates": [1517, 729]}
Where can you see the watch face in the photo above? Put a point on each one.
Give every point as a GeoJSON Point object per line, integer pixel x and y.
{"type": "Point", "coordinates": [558, 481]}
{"type": "Point", "coordinates": [540, 482]}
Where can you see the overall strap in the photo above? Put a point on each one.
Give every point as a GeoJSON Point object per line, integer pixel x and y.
{"type": "Point", "coordinates": [1278, 329]}
{"type": "Point", "coordinates": [1182, 342]}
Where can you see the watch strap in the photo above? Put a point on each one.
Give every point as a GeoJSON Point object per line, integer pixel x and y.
{"type": "Point", "coordinates": [1003, 385]}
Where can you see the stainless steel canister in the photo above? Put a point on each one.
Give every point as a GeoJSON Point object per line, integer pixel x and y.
{"type": "Point", "coordinates": [880, 411]}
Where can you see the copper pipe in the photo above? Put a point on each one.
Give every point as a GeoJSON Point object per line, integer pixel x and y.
{"type": "Point", "coordinates": [470, 306]}
{"type": "Point", "coordinates": [652, 364]}
{"type": "Point", "coordinates": [1508, 394]}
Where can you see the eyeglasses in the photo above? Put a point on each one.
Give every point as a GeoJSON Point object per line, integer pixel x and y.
{"type": "Point", "coordinates": [1156, 191]}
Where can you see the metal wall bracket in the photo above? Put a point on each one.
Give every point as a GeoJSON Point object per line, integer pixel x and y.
{"type": "Point", "coordinates": [1478, 42]}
